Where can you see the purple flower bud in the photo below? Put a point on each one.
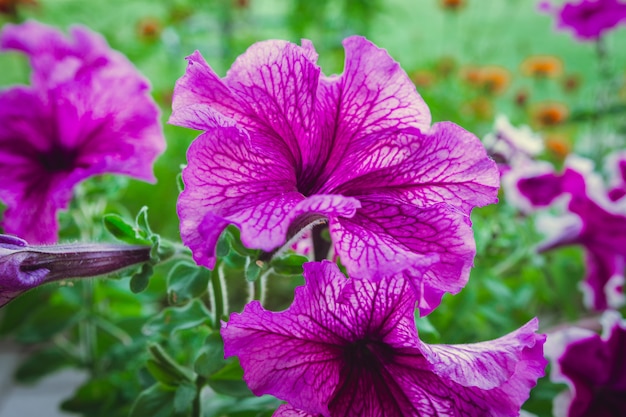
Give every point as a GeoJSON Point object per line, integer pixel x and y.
{"type": "Point", "coordinates": [23, 267]}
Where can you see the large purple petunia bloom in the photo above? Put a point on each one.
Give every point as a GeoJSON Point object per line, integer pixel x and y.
{"type": "Point", "coordinates": [590, 218]}
{"type": "Point", "coordinates": [588, 19]}
{"type": "Point", "coordinates": [593, 367]}
{"type": "Point", "coordinates": [285, 146]}
{"type": "Point", "coordinates": [349, 347]}
{"type": "Point", "coordinates": [87, 112]}
{"type": "Point", "coordinates": [24, 266]}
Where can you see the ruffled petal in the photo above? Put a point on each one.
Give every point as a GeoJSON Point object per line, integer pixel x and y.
{"type": "Point", "coordinates": [349, 347]}
{"type": "Point", "coordinates": [432, 246]}
{"type": "Point", "coordinates": [296, 355]}
{"type": "Point", "coordinates": [372, 95]}
{"type": "Point", "coordinates": [229, 180]}
{"type": "Point", "coordinates": [447, 164]}
{"type": "Point", "coordinates": [286, 410]}
{"type": "Point", "coordinates": [269, 90]}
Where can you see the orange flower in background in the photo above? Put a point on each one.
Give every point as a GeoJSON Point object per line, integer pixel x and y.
{"type": "Point", "coordinates": [241, 4]}
{"type": "Point", "coordinates": [149, 28]}
{"type": "Point", "coordinates": [423, 78]}
{"type": "Point", "coordinates": [558, 144]}
{"type": "Point", "coordinates": [480, 108]}
{"type": "Point", "coordinates": [571, 83]}
{"type": "Point", "coordinates": [521, 98]}
{"type": "Point", "coordinates": [494, 79]}
{"type": "Point", "coordinates": [445, 66]}
{"type": "Point", "coordinates": [452, 4]}
{"type": "Point", "coordinates": [549, 114]}
{"type": "Point", "coordinates": [9, 7]}
{"type": "Point", "coordinates": [471, 75]}
{"type": "Point", "coordinates": [542, 66]}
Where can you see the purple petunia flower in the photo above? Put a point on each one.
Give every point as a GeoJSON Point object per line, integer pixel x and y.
{"type": "Point", "coordinates": [349, 347]}
{"type": "Point", "coordinates": [88, 112]}
{"type": "Point", "coordinates": [590, 219]}
{"type": "Point", "coordinates": [23, 267]}
{"type": "Point", "coordinates": [286, 146]}
{"type": "Point", "coordinates": [588, 19]}
{"type": "Point", "coordinates": [592, 366]}
{"type": "Point", "coordinates": [512, 146]}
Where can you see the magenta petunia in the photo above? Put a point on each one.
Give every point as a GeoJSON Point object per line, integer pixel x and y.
{"type": "Point", "coordinates": [87, 112]}
{"type": "Point", "coordinates": [588, 19]}
{"type": "Point", "coordinates": [349, 347]}
{"type": "Point", "coordinates": [24, 266]}
{"type": "Point", "coordinates": [589, 218]}
{"type": "Point", "coordinates": [592, 366]}
{"type": "Point", "coordinates": [285, 145]}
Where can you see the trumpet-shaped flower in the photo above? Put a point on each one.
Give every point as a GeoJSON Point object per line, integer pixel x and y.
{"type": "Point", "coordinates": [592, 366]}
{"type": "Point", "coordinates": [24, 266]}
{"type": "Point", "coordinates": [588, 19]}
{"type": "Point", "coordinates": [285, 146]}
{"type": "Point", "coordinates": [591, 219]}
{"type": "Point", "coordinates": [87, 112]}
{"type": "Point", "coordinates": [349, 347]}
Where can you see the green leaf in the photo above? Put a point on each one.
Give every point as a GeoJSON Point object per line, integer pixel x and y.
{"type": "Point", "coordinates": [44, 324]}
{"type": "Point", "coordinates": [156, 401]}
{"type": "Point", "coordinates": [92, 397]}
{"type": "Point", "coordinates": [186, 281]}
{"type": "Point", "coordinates": [229, 380]}
{"type": "Point", "coordinates": [211, 359]}
{"type": "Point", "coordinates": [140, 280]}
{"type": "Point", "coordinates": [183, 399]}
{"type": "Point", "coordinates": [172, 319]}
{"type": "Point", "coordinates": [121, 229]}
{"type": "Point", "coordinates": [223, 245]}
{"type": "Point", "coordinates": [253, 270]}
{"type": "Point", "coordinates": [42, 363]}
{"type": "Point", "coordinates": [180, 184]}
{"type": "Point", "coordinates": [289, 264]}
{"type": "Point", "coordinates": [142, 222]}
{"type": "Point", "coordinates": [165, 369]}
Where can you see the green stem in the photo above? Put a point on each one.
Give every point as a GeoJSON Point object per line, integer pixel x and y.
{"type": "Point", "coordinates": [196, 410]}
{"type": "Point", "coordinates": [219, 297]}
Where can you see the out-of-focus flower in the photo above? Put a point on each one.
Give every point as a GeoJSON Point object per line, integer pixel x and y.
{"type": "Point", "coordinates": [616, 164]}
{"type": "Point", "coordinates": [23, 266]}
{"type": "Point", "coordinates": [481, 108]}
{"type": "Point", "coordinates": [349, 347]}
{"type": "Point", "coordinates": [490, 79]}
{"type": "Point", "coordinates": [521, 98]}
{"type": "Point", "coordinates": [9, 7]}
{"type": "Point", "coordinates": [590, 219]}
{"type": "Point", "coordinates": [592, 366]}
{"type": "Point", "coordinates": [587, 19]}
{"type": "Point", "coordinates": [494, 79]}
{"type": "Point", "coordinates": [445, 66]}
{"type": "Point", "coordinates": [453, 5]}
{"type": "Point", "coordinates": [542, 66]}
{"type": "Point", "coordinates": [548, 114]}
{"type": "Point", "coordinates": [285, 146]}
{"type": "Point", "coordinates": [510, 145]}
{"type": "Point", "coordinates": [423, 78]}
{"type": "Point", "coordinates": [571, 83]}
{"type": "Point", "coordinates": [88, 112]}
{"type": "Point", "coordinates": [149, 28]}
{"type": "Point", "coordinates": [558, 144]}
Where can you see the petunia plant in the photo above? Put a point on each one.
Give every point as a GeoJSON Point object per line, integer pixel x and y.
{"type": "Point", "coordinates": [323, 218]}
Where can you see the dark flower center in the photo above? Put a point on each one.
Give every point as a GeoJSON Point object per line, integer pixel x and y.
{"type": "Point", "coordinates": [58, 159]}
{"type": "Point", "coordinates": [367, 353]}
